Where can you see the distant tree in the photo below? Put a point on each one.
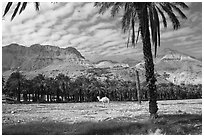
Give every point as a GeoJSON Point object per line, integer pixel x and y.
{"type": "Point", "coordinates": [25, 91]}
{"type": "Point", "coordinates": [113, 88]}
{"type": "Point", "coordinates": [29, 89]}
{"type": "Point", "coordinates": [63, 83]}
{"type": "Point", "coordinates": [39, 86]}
{"type": "Point", "coordinates": [50, 88]}
{"type": "Point", "coordinates": [14, 84]}
{"type": "Point", "coordinates": [82, 84]}
{"type": "Point", "coordinates": [93, 89]}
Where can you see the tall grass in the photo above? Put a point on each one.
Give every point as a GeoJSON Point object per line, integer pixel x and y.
{"type": "Point", "coordinates": [165, 124]}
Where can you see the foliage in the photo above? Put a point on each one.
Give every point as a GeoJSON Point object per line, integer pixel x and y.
{"type": "Point", "coordinates": [15, 85]}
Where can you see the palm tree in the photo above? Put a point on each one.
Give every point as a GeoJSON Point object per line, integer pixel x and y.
{"type": "Point", "coordinates": [39, 82]}
{"type": "Point", "coordinates": [63, 82]}
{"type": "Point", "coordinates": [14, 84]}
{"type": "Point", "coordinates": [48, 87]}
{"type": "Point", "coordinates": [53, 87]}
{"type": "Point", "coordinates": [29, 88]}
{"type": "Point", "coordinates": [147, 15]}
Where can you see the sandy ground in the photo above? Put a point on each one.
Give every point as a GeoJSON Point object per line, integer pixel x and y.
{"type": "Point", "coordinates": [93, 111]}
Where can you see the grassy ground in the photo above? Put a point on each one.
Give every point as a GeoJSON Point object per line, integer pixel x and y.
{"type": "Point", "coordinates": [181, 117]}
{"type": "Point", "coordinates": [183, 124]}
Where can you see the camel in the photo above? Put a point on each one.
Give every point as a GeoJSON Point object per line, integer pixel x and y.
{"type": "Point", "coordinates": [103, 100]}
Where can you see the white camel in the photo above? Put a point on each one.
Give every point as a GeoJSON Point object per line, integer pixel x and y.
{"type": "Point", "coordinates": [103, 100]}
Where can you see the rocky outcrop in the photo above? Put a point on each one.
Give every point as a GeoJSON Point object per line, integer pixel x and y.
{"type": "Point", "coordinates": [36, 56]}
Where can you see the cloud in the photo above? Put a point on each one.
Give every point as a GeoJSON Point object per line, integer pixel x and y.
{"type": "Point", "coordinates": [99, 26]}
{"type": "Point", "coordinates": [112, 44]}
{"type": "Point", "coordinates": [103, 33]}
{"type": "Point", "coordinates": [175, 33]}
{"type": "Point", "coordinates": [83, 12]}
{"type": "Point", "coordinates": [68, 37]}
{"type": "Point", "coordinates": [191, 43]}
{"type": "Point", "coordinates": [79, 25]}
{"type": "Point", "coordinates": [55, 37]}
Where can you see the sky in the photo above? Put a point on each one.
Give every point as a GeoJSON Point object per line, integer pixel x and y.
{"type": "Point", "coordinates": [95, 36]}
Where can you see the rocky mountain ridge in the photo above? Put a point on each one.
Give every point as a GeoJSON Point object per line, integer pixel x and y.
{"type": "Point", "coordinates": [180, 67]}
{"type": "Point", "coordinates": [170, 65]}
{"type": "Point", "coordinates": [36, 56]}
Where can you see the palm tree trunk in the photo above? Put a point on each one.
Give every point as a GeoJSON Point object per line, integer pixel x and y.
{"type": "Point", "coordinates": [19, 92]}
{"type": "Point", "coordinates": [149, 65]}
{"type": "Point", "coordinates": [33, 96]}
{"type": "Point", "coordinates": [29, 97]}
{"type": "Point", "coordinates": [48, 97]}
{"type": "Point", "coordinates": [137, 79]}
{"type": "Point", "coordinates": [58, 94]}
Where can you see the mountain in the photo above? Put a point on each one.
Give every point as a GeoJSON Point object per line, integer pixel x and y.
{"type": "Point", "coordinates": [46, 59]}
{"type": "Point", "coordinates": [109, 64]}
{"type": "Point", "coordinates": [105, 64]}
{"type": "Point", "coordinates": [170, 65]}
{"type": "Point", "coordinates": [180, 67]}
{"type": "Point", "coordinates": [130, 61]}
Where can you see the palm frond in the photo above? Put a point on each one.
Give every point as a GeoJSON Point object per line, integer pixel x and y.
{"type": "Point", "coordinates": [138, 33]}
{"type": "Point", "coordinates": [152, 27]}
{"type": "Point", "coordinates": [181, 4]}
{"type": "Point", "coordinates": [178, 10]}
{"type": "Point", "coordinates": [24, 4]}
{"type": "Point", "coordinates": [127, 16]}
{"type": "Point", "coordinates": [128, 38]}
{"type": "Point", "coordinates": [126, 21]}
{"type": "Point", "coordinates": [173, 18]}
{"type": "Point", "coordinates": [97, 4]}
{"type": "Point", "coordinates": [103, 6]}
{"type": "Point", "coordinates": [115, 9]}
{"type": "Point", "coordinates": [37, 6]}
{"type": "Point", "coordinates": [23, 7]}
{"type": "Point", "coordinates": [133, 32]}
{"type": "Point", "coordinates": [157, 32]}
{"type": "Point", "coordinates": [8, 6]}
{"type": "Point", "coordinates": [16, 10]}
{"type": "Point", "coordinates": [162, 15]}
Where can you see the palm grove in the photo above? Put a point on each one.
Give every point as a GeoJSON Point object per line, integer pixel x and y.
{"type": "Point", "coordinates": [86, 88]}
{"type": "Point", "coordinates": [145, 15]}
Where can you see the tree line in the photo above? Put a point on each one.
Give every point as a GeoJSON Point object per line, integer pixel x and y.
{"type": "Point", "coordinates": [62, 88]}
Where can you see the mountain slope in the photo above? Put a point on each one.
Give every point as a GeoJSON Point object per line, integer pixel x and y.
{"type": "Point", "coordinates": [170, 65]}
{"type": "Point", "coordinates": [130, 61]}
{"type": "Point", "coordinates": [180, 67]}
{"type": "Point", "coordinates": [35, 57]}
{"type": "Point", "coordinates": [46, 59]}
{"type": "Point", "coordinates": [105, 64]}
